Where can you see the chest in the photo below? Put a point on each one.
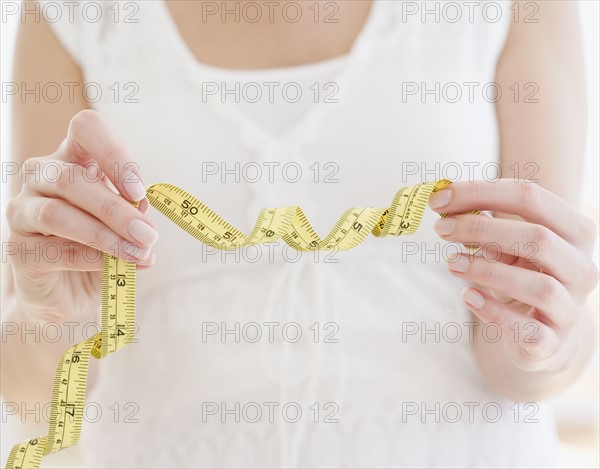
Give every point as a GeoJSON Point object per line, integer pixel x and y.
{"type": "Point", "coordinates": [406, 105]}
{"type": "Point", "coordinates": [251, 35]}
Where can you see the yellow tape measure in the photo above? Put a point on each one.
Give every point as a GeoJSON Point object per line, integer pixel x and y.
{"type": "Point", "coordinates": [118, 286]}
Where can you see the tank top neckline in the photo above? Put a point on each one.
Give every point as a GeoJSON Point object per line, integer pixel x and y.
{"type": "Point", "coordinates": [177, 40]}
{"type": "Point", "coordinates": [306, 128]}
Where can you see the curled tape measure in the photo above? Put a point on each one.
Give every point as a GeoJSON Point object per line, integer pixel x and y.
{"type": "Point", "coordinates": [118, 286]}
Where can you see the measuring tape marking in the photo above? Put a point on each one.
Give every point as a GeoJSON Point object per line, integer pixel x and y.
{"type": "Point", "coordinates": [289, 224]}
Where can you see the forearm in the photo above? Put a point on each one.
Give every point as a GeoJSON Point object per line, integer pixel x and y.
{"type": "Point", "coordinates": [550, 135]}
{"type": "Point", "coordinates": [511, 381]}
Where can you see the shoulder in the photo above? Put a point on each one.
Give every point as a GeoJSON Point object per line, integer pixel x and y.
{"type": "Point", "coordinates": [85, 27]}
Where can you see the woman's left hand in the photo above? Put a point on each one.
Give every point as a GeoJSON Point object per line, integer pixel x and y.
{"type": "Point", "coordinates": [537, 272]}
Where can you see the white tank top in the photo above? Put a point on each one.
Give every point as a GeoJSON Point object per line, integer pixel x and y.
{"type": "Point", "coordinates": [385, 362]}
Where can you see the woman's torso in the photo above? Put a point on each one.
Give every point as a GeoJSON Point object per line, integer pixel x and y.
{"type": "Point", "coordinates": [387, 115]}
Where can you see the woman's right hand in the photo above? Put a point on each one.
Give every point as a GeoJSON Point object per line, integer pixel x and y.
{"type": "Point", "coordinates": [67, 214]}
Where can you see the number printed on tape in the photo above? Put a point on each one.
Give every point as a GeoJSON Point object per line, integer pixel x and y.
{"type": "Point", "coordinates": [289, 224]}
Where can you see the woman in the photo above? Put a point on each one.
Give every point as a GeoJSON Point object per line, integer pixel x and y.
{"type": "Point", "coordinates": [324, 105]}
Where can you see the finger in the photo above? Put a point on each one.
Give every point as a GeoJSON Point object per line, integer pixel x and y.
{"type": "Point", "coordinates": [147, 263]}
{"type": "Point", "coordinates": [110, 185]}
{"type": "Point", "coordinates": [537, 341]}
{"type": "Point", "coordinates": [91, 139]}
{"type": "Point", "coordinates": [59, 218]}
{"type": "Point", "coordinates": [96, 198]}
{"type": "Point", "coordinates": [525, 199]}
{"type": "Point", "coordinates": [493, 253]}
{"type": "Point", "coordinates": [535, 243]}
{"type": "Point", "coordinates": [536, 289]}
{"type": "Point", "coordinates": [52, 253]}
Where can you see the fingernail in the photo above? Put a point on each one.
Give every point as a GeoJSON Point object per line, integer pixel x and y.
{"type": "Point", "coordinates": [473, 298]}
{"type": "Point", "coordinates": [136, 251]}
{"type": "Point", "coordinates": [143, 233]}
{"type": "Point", "coordinates": [440, 199]}
{"type": "Point", "coordinates": [143, 206]}
{"type": "Point", "coordinates": [133, 186]}
{"type": "Point", "coordinates": [445, 226]}
{"type": "Point", "coordinates": [458, 263]}
{"type": "Point", "coordinates": [149, 261]}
